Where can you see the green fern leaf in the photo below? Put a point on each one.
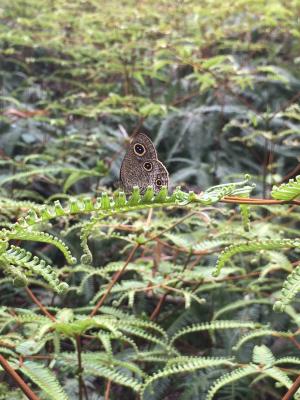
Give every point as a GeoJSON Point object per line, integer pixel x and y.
{"type": "Point", "coordinates": [114, 375]}
{"type": "Point", "coordinates": [254, 245]}
{"type": "Point", "coordinates": [262, 355]}
{"type": "Point", "coordinates": [15, 256]}
{"type": "Point", "coordinates": [245, 212]}
{"type": "Point", "coordinates": [287, 191]}
{"type": "Point", "coordinates": [45, 379]}
{"type": "Point", "coordinates": [231, 377]}
{"type": "Point", "coordinates": [281, 377]}
{"type": "Point", "coordinates": [214, 325]}
{"type": "Point", "coordinates": [258, 333]}
{"type": "Point", "coordinates": [291, 287]}
{"type": "Point", "coordinates": [190, 364]}
{"type": "Point", "coordinates": [288, 360]}
{"type": "Point", "coordinates": [240, 304]}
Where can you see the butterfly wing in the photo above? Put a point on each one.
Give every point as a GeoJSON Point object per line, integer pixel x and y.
{"type": "Point", "coordinates": [140, 166]}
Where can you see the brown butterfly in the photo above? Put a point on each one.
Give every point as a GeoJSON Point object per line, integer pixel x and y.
{"type": "Point", "coordinates": [141, 167]}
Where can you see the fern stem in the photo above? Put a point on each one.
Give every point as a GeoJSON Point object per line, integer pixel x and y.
{"type": "Point", "coordinates": [107, 390]}
{"type": "Point", "coordinates": [179, 221]}
{"type": "Point", "coordinates": [292, 390]}
{"type": "Point", "coordinates": [158, 307]}
{"type": "Point", "coordinates": [80, 368]}
{"type": "Point", "coordinates": [39, 304]}
{"type": "Point", "coordinates": [17, 379]}
{"type": "Point", "coordinates": [294, 341]}
{"type": "Point", "coordinates": [258, 202]}
{"type": "Point", "coordinates": [114, 280]}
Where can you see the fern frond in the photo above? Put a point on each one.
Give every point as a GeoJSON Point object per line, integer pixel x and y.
{"type": "Point", "coordinates": [122, 316]}
{"type": "Point", "coordinates": [258, 333]}
{"type": "Point", "coordinates": [26, 174]}
{"type": "Point", "coordinates": [144, 335]}
{"type": "Point", "coordinates": [254, 245]}
{"type": "Point", "coordinates": [19, 205]}
{"type": "Point", "coordinates": [190, 364]}
{"type": "Point", "coordinates": [245, 212]}
{"type": "Point", "coordinates": [15, 256]}
{"type": "Point", "coordinates": [214, 325]}
{"type": "Point", "coordinates": [291, 286]}
{"type": "Point", "coordinates": [240, 304]}
{"type": "Point", "coordinates": [76, 327]}
{"type": "Point", "coordinates": [15, 273]}
{"type": "Point", "coordinates": [105, 339]}
{"type": "Point", "coordinates": [153, 356]}
{"type": "Point", "coordinates": [231, 377]}
{"type": "Point", "coordinates": [114, 375]}
{"type": "Point", "coordinates": [287, 360]}
{"type": "Point", "coordinates": [29, 318]}
{"type": "Point", "coordinates": [216, 193]}
{"type": "Point", "coordinates": [124, 338]}
{"type": "Point", "coordinates": [103, 207]}
{"type": "Point", "coordinates": [116, 312]}
{"type": "Point", "coordinates": [262, 355]}
{"type": "Point", "coordinates": [107, 206]}
{"type": "Point", "coordinates": [287, 191]}
{"type": "Point", "coordinates": [144, 324]}
{"type": "Point", "coordinates": [29, 347]}
{"type": "Point", "coordinates": [90, 359]}
{"type": "Point", "coordinates": [281, 377]}
{"type": "Point", "coordinates": [44, 378]}
{"type": "Point", "coordinates": [36, 236]}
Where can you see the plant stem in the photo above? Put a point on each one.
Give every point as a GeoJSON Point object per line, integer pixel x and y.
{"type": "Point", "coordinates": [80, 369]}
{"type": "Point", "coordinates": [17, 379]}
{"type": "Point", "coordinates": [292, 390]}
{"type": "Point", "coordinates": [107, 390]}
{"type": "Point", "coordinates": [39, 304]}
{"type": "Point", "coordinates": [158, 307]}
{"type": "Point", "coordinates": [114, 280]}
{"type": "Point", "coordinates": [257, 202]}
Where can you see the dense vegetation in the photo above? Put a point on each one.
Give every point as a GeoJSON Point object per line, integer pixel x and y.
{"type": "Point", "coordinates": [187, 294]}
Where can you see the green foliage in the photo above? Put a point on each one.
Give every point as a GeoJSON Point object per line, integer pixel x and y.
{"type": "Point", "coordinates": [263, 361]}
{"type": "Point", "coordinates": [291, 287]}
{"type": "Point", "coordinates": [44, 379]}
{"type": "Point", "coordinates": [253, 246]}
{"type": "Point", "coordinates": [215, 325]}
{"type": "Point", "coordinates": [287, 191]}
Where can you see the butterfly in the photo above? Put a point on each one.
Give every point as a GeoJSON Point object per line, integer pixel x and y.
{"type": "Point", "coordinates": [141, 167]}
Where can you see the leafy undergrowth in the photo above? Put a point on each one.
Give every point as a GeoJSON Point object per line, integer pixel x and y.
{"type": "Point", "coordinates": [138, 321]}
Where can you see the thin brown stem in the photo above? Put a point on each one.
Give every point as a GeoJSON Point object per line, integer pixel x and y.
{"type": "Point", "coordinates": [114, 280]}
{"type": "Point", "coordinates": [80, 369]}
{"type": "Point", "coordinates": [107, 390]}
{"type": "Point", "coordinates": [295, 343]}
{"type": "Point", "coordinates": [255, 201]}
{"type": "Point", "coordinates": [17, 379]}
{"type": "Point", "coordinates": [291, 174]}
{"type": "Point", "coordinates": [171, 226]}
{"type": "Point", "coordinates": [158, 307]}
{"type": "Point", "coordinates": [39, 304]}
{"type": "Point", "coordinates": [292, 390]}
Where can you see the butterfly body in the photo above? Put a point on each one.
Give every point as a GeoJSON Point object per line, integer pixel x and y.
{"type": "Point", "coordinates": [141, 167]}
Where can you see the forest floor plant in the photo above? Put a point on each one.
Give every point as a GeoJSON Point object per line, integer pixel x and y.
{"type": "Point", "coordinates": [119, 346]}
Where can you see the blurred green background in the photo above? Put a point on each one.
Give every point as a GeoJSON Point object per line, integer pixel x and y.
{"type": "Point", "coordinates": [215, 84]}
